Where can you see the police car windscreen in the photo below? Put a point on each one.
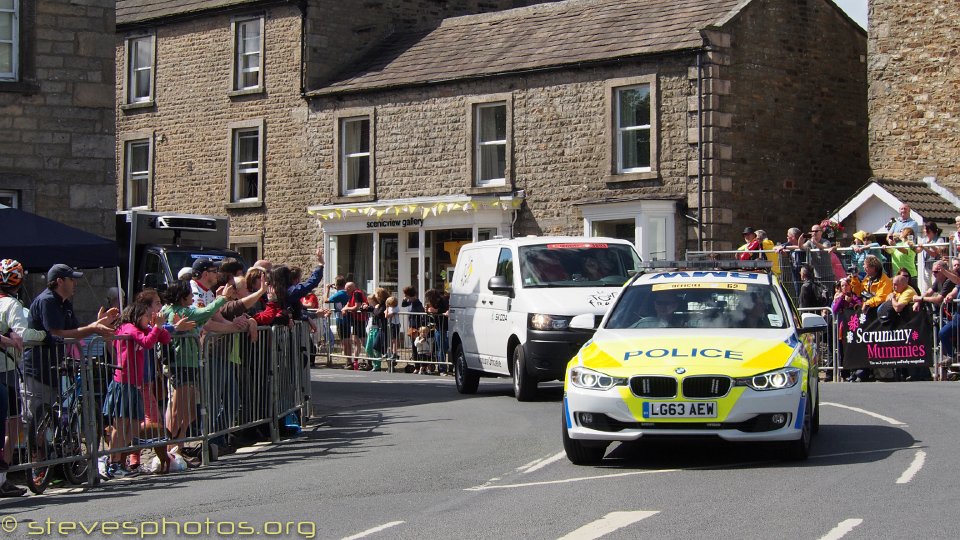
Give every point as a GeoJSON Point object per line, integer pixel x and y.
{"type": "Point", "coordinates": [698, 305]}
{"type": "Point", "coordinates": [583, 264]}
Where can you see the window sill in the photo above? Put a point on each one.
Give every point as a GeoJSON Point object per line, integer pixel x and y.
{"type": "Point", "coordinates": [239, 205]}
{"type": "Point", "coordinates": [504, 189]}
{"type": "Point", "coordinates": [349, 199]}
{"type": "Point", "coordinates": [131, 107]}
{"type": "Point", "coordinates": [19, 87]}
{"type": "Point", "coordinates": [257, 91]}
{"type": "Point", "coordinates": [632, 177]}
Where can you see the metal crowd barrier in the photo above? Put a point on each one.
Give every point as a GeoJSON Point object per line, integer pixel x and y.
{"type": "Point", "coordinates": [395, 345]}
{"type": "Point", "coordinates": [199, 390]}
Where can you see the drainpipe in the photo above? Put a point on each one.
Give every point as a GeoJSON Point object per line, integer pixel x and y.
{"type": "Point", "coordinates": [700, 148]}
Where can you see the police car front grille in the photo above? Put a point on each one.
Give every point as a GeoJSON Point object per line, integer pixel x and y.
{"type": "Point", "coordinates": [710, 386]}
{"type": "Point", "coordinates": [654, 387]}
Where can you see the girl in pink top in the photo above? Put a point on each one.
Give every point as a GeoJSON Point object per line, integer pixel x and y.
{"type": "Point", "coordinates": [124, 400]}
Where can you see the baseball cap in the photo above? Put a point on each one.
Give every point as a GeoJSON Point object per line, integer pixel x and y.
{"type": "Point", "coordinates": [200, 265]}
{"type": "Point", "coordinates": [62, 271]}
{"type": "Point", "coordinates": [748, 230]}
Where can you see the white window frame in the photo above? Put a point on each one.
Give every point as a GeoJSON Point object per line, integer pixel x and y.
{"type": "Point", "coordinates": [130, 175]}
{"type": "Point", "coordinates": [620, 130]}
{"type": "Point", "coordinates": [132, 69]}
{"type": "Point", "coordinates": [345, 156]}
{"type": "Point", "coordinates": [480, 144]}
{"type": "Point", "coordinates": [646, 215]}
{"type": "Point", "coordinates": [239, 55]}
{"type": "Point", "coordinates": [14, 42]}
{"type": "Point", "coordinates": [13, 195]}
{"type": "Point", "coordinates": [246, 167]}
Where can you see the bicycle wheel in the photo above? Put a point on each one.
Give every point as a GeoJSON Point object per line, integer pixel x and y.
{"type": "Point", "coordinates": [40, 438]}
{"type": "Point", "coordinates": [72, 443]}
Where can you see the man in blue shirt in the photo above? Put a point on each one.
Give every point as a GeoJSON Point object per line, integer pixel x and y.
{"type": "Point", "coordinates": [52, 312]}
{"type": "Point", "coordinates": [900, 223]}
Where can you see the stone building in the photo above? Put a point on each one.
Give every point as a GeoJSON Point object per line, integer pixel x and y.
{"type": "Point", "coordinates": [407, 131]}
{"type": "Point", "coordinates": [913, 85]}
{"type": "Point", "coordinates": [56, 111]}
{"type": "Point", "coordinates": [57, 123]}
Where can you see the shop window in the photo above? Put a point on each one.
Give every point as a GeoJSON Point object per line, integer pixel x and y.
{"type": "Point", "coordinates": [389, 255]}
{"type": "Point", "coordinates": [248, 55]}
{"type": "Point", "coordinates": [140, 70]}
{"type": "Point", "coordinates": [9, 39]}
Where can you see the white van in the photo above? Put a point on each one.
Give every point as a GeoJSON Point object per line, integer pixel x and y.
{"type": "Point", "coordinates": [511, 302]}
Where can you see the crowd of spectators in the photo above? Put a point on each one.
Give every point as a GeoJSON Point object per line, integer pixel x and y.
{"type": "Point", "coordinates": [907, 269]}
{"type": "Point", "coordinates": [146, 391]}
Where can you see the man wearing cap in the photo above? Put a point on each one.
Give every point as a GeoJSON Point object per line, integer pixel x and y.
{"type": "Point", "coordinates": [52, 312]}
{"type": "Point", "coordinates": [203, 286]}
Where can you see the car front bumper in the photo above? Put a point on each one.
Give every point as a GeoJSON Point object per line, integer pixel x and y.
{"type": "Point", "coordinates": [746, 419]}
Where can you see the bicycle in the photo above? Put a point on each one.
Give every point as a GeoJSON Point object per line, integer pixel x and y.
{"type": "Point", "coordinates": [56, 431]}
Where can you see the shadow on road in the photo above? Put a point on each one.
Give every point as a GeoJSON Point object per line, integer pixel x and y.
{"type": "Point", "coordinates": [835, 445]}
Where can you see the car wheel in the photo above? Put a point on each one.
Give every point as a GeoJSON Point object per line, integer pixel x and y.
{"type": "Point", "coordinates": [524, 386]}
{"type": "Point", "coordinates": [467, 380]}
{"type": "Point", "coordinates": [799, 449]}
{"type": "Point", "coordinates": [582, 452]}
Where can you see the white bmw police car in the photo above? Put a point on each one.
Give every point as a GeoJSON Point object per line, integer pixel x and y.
{"type": "Point", "coordinates": [698, 353]}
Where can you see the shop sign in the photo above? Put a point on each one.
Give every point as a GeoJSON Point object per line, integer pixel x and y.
{"type": "Point", "coordinates": [394, 223]}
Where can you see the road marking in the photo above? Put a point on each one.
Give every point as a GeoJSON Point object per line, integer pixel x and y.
{"type": "Point", "coordinates": [408, 381]}
{"type": "Point", "coordinates": [856, 452]}
{"type": "Point", "coordinates": [531, 464]}
{"type": "Point", "coordinates": [914, 468]}
{"type": "Point", "coordinates": [368, 532]}
{"type": "Point", "coordinates": [543, 463]}
{"type": "Point", "coordinates": [886, 419]}
{"type": "Point", "coordinates": [841, 529]}
{"type": "Point", "coordinates": [487, 486]}
{"type": "Point", "coordinates": [607, 524]}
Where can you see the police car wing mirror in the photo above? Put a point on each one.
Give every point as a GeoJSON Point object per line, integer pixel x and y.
{"type": "Point", "coordinates": [812, 320]}
{"type": "Point", "coordinates": [584, 321]}
{"type": "Point", "coordinates": [499, 284]}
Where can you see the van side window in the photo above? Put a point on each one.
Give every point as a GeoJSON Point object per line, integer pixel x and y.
{"type": "Point", "coordinates": [505, 264]}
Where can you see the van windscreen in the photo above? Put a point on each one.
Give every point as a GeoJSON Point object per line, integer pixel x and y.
{"type": "Point", "coordinates": [586, 264]}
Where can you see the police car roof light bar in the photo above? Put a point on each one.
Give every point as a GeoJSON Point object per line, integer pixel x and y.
{"type": "Point", "coordinates": [708, 265]}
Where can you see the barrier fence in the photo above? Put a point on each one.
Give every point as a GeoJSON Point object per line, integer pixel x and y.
{"type": "Point", "coordinates": [410, 341]}
{"type": "Point", "coordinates": [101, 403]}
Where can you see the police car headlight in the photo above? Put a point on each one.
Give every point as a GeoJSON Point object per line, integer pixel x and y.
{"type": "Point", "coordinates": [540, 321]}
{"type": "Point", "coordinates": [589, 379]}
{"type": "Point", "coordinates": [774, 380]}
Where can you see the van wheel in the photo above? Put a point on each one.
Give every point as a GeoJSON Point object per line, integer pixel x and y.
{"type": "Point", "coordinates": [582, 452]}
{"type": "Point", "coordinates": [467, 380]}
{"type": "Point", "coordinates": [524, 386]}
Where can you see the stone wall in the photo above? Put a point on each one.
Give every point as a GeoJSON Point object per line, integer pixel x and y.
{"type": "Point", "coordinates": [559, 140]}
{"type": "Point", "coordinates": [190, 128]}
{"type": "Point", "coordinates": [57, 126]}
{"type": "Point", "coordinates": [914, 83]}
{"type": "Point", "coordinates": [57, 122]}
{"type": "Point", "coordinates": [787, 130]}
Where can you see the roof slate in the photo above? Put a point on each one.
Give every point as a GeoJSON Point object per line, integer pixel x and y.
{"type": "Point", "coordinates": [135, 11]}
{"type": "Point", "coordinates": [921, 198]}
{"type": "Point", "coordinates": [535, 37]}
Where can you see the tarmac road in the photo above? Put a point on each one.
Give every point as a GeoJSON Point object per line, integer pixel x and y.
{"type": "Point", "coordinates": [405, 456]}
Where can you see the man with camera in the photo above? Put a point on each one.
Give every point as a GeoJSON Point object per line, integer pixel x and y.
{"type": "Point", "coordinates": [875, 287]}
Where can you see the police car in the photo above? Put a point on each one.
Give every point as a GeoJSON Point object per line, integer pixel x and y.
{"type": "Point", "coordinates": [690, 351]}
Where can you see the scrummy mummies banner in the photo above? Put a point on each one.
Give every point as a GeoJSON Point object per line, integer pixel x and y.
{"type": "Point", "coordinates": [905, 340]}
